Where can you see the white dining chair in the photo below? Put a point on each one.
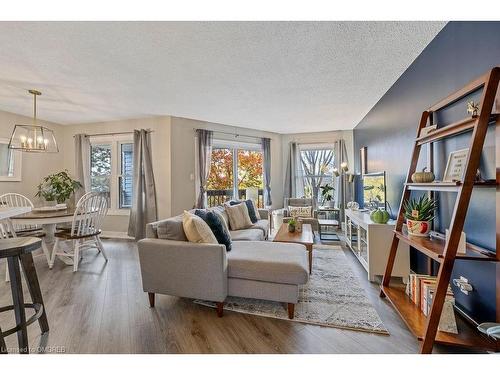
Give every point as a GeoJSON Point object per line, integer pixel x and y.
{"type": "Point", "coordinates": [85, 228]}
{"type": "Point", "coordinates": [22, 230]}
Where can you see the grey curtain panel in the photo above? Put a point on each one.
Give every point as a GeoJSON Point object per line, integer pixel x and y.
{"type": "Point", "coordinates": [144, 195]}
{"type": "Point", "coordinates": [290, 188]}
{"type": "Point", "coordinates": [82, 164]}
{"type": "Point", "coordinates": [204, 140]}
{"type": "Point", "coordinates": [341, 191]}
{"type": "Point", "coordinates": [266, 150]}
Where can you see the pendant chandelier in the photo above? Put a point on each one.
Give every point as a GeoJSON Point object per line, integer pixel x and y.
{"type": "Point", "coordinates": [33, 138]}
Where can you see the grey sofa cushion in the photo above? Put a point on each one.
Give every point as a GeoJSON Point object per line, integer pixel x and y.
{"type": "Point", "coordinates": [171, 229]}
{"type": "Point", "coordinates": [247, 235]}
{"type": "Point", "coordinates": [263, 225]}
{"type": "Point", "coordinates": [269, 261]}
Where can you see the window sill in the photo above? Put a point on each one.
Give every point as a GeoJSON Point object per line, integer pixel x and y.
{"type": "Point", "coordinates": [119, 212]}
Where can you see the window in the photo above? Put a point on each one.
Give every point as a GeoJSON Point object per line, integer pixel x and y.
{"type": "Point", "coordinates": [235, 173]}
{"type": "Point", "coordinates": [10, 162]}
{"type": "Point", "coordinates": [111, 170]}
{"type": "Point", "coordinates": [315, 170]}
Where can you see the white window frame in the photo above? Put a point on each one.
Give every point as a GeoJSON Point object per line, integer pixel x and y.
{"type": "Point", "coordinates": [115, 141]}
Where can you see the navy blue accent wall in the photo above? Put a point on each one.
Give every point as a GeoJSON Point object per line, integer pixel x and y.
{"type": "Point", "coordinates": [458, 54]}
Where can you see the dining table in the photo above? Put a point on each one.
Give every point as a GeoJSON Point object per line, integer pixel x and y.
{"type": "Point", "coordinates": [48, 220]}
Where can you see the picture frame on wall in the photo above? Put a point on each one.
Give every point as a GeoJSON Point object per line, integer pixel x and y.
{"type": "Point", "coordinates": [455, 167]}
{"type": "Point", "coordinates": [363, 159]}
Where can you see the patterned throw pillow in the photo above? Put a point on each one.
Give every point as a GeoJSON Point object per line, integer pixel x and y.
{"type": "Point", "coordinates": [238, 216]}
{"type": "Point", "coordinates": [252, 210]}
{"type": "Point", "coordinates": [300, 211]}
{"type": "Point", "coordinates": [196, 229]}
{"type": "Point", "coordinates": [216, 223]}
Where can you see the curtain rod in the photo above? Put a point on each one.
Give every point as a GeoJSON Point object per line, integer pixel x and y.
{"type": "Point", "coordinates": [234, 134]}
{"type": "Point", "coordinates": [115, 133]}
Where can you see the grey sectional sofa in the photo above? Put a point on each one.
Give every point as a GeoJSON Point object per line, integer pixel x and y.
{"type": "Point", "coordinates": [254, 268]}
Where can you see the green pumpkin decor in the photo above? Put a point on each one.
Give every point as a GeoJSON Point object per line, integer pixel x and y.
{"type": "Point", "coordinates": [380, 216]}
{"type": "Point", "coordinates": [422, 177]}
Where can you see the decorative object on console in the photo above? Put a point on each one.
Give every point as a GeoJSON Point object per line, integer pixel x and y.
{"type": "Point", "coordinates": [472, 108]}
{"type": "Point", "coordinates": [380, 216]}
{"type": "Point", "coordinates": [455, 167]}
{"type": "Point", "coordinates": [423, 176]}
{"type": "Point", "coordinates": [292, 223]}
{"type": "Point", "coordinates": [353, 205]}
{"type": "Point", "coordinates": [419, 213]}
{"type": "Point", "coordinates": [57, 187]}
{"type": "Point", "coordinates": [33, 138]}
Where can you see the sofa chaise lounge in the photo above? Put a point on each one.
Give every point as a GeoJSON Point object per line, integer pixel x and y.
{"type": "Point", "coordinates": [253, 269]}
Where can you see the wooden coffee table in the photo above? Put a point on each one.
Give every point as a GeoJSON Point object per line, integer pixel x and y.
{"type": "Point", "coordinates": [306, 237]}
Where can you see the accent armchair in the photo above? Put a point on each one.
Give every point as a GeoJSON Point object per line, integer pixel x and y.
{"type": "Point", "coordinates": [302, 202]}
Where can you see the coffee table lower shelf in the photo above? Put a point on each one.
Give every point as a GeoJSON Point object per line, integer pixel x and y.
{"type": "Point", "coordinates": [467, 336]}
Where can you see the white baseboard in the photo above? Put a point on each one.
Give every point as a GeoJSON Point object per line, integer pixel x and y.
{"type": "Point", "coordinates": [116, 235]}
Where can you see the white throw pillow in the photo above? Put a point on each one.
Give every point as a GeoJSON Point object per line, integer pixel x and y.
{"type": "Point", "coordinates": [300, 211]}
{"type": "Point", "coordinates": [196, 229]}
{"type": "Point", "coordinates": [238, 216]}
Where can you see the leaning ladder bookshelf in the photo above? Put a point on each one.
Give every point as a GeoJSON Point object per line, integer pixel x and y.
{"type": "Point", "coordinates": [425, 328]}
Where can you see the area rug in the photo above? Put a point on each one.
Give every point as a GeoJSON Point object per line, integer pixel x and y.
{"type": "Point", "coordinates": [333, 297]}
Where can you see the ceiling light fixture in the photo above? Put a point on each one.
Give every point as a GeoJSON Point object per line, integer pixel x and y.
{"type": "Point", "coordinates": [33, 138]}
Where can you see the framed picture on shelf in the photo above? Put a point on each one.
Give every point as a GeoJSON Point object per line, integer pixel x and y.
{"type": "Point", "coordinates": [455, 167]}
{"type": "Point", "coordinates": [427, 130]}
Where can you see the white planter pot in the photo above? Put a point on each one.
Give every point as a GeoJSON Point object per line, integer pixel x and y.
{"type": "Point", "coordinates": [418, 228]}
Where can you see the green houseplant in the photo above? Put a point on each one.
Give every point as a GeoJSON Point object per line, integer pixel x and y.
{"type": "Point", "coordinates": [292, 224]}
{"type": "Point", "coordinates": [57, 187]}
{"type": "Point", "coordinates": [419, 213]}
{"type": "Point", "coordinates": [327, 195]}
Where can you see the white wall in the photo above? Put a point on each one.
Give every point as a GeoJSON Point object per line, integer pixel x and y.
{"type": "Point", "coordinates": [35, 166]}
{"type": "Point", "coordinates": [183, 159]}
{"type": "Point", "coordinates": [160, 144]}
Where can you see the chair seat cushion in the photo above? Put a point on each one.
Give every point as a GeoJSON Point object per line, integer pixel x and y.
{"type": "Point", "coordinates": [275, 262]}
{"type": "Point", "coordinates": [247, 235]}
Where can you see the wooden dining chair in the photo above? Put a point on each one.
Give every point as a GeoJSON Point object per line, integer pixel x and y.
{"type": "Point", "coordinates": [22, 230]}
{"type": "Point", "coordinates": [85, 228]}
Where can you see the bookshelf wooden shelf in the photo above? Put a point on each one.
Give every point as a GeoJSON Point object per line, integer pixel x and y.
{"type": "Point", "coordinates": [450, 130]}
{"type": "Point", "coordinates": [434, 248]}
{"type": "Point", "coordinates": [447, 186]}
{"type": "Point", "coordinates": [416, 321]}
{"type": "Point", "coordinates": [425, 328]}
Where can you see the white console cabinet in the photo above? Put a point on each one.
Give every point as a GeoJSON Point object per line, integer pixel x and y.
{"type": "Point", "coordinates": [370, 242]}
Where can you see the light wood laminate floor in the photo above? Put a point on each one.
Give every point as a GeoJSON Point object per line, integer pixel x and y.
{"type": "Point", "coordinates": [102, 309]}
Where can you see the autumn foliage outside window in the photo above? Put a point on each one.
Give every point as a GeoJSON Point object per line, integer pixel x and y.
{"type": "Point", "coordinates": [221, 181]}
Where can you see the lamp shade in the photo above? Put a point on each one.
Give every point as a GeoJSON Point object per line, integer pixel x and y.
{"type": "Point", "coordinates": [33, 138]}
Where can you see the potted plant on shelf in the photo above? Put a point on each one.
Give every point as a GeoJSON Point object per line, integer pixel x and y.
{"type": "Point", "coordinates": [419, 213]}
{"type": "Point", "coordinates": [327, 195]}
{"type": "Point", "coordinates": [292, 223]}
{"type": "Point", "coordinates": [57, 188]}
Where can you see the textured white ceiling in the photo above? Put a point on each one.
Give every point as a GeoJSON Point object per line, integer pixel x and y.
{"type": "Point", "coordinates": [285, 77]}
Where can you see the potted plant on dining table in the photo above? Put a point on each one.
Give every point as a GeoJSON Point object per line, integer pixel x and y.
{"type": "Point", "coordinates": [57, 188]}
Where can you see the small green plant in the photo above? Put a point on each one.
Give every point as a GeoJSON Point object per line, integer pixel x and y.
{"type": "Point", "coordinates": [58, 186]}
{"type": "Point", "coordinates": [327, 193]}
{"type": "Point", "coordinates": [421, 209]}
{"type": "Point", "coordinates": [292, 222]}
